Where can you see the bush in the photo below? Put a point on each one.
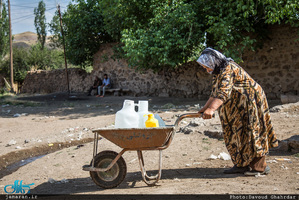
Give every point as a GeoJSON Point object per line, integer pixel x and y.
{"type": "Point", "coordinates": [34, 58]}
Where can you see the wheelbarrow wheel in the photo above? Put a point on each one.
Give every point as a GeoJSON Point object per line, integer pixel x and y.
{"type": "Point", "coordinates": [114, 176]}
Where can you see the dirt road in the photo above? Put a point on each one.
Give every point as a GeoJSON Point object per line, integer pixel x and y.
{"type": "Point", "coordinates": [57, 129]}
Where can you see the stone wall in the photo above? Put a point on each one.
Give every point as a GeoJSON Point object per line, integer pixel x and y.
{"type": "Point", "coordinates": [187, 81]}
{"type": "Point", "coordinates": [42, 81]}
{"type": "Point", "coordinates": [274, 67]}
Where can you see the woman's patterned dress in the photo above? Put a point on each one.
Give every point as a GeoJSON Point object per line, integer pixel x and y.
{"type": "Point", "coordinates": [244, 115]}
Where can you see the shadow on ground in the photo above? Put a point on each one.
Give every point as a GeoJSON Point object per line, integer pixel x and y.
{"type": "Point", "coordinates": [83, 185]}
{"type": "Point", "coordinates": [75, 106]}
{"type": "Point", "coordinates": [79, 105]}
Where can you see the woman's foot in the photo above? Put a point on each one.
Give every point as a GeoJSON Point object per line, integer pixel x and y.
{"type": "Point", "coordinates": [98, 96]}
{"type": "Point", "coordinates": [236, 170]}
{"type": "Point", "coordinates": [256, 173]}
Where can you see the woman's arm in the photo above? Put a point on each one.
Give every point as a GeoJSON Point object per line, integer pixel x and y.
{"type": "Point", "coordinates": [214, 104]}
{"type": "Point", "coordinates": [206, 105]}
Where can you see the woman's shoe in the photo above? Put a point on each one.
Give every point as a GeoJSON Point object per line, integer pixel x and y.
{"type": "Point", "coordinates": [236, 170]}
{"type": "Point", "coordinates": [256, 173]}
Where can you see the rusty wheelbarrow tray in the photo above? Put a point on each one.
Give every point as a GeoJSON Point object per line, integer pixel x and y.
{"type": "Point", "coordinates": [108, 169]}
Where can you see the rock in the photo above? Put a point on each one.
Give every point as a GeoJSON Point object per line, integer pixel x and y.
{"type": "Point", "coordinates": [64, 181]}
{"type": "Point", "coordinates": [293, 143]}
{"type": "Point", "coordinates": [284, 167]}
{"type": "Point", "coordinates": [186, 130]}
{"type": "Point", "coordinates": [212, 157]}
{"type": "Point", "coordinates": [51, 180]}
{"type": "Point", "coordinates": [188, 165]}
{"type": "Point", "coordinates": [12, 142]}
{"type": "Point", "coordinates": [168, 106]}
{"type": "Point", "coordinates": [18, 147]}
{"type": "Point", "coordinates": [196, 122]}
{"type": "Point", "coordinates": [214, 134]}
{"type": "Point", "coordinates": [283, 146]}
{"type": "Point", "coordinates": [17, 115]}
{"type": "Point", "coordinates": [111, 110]}
{"type": "Point", "coordinates": [197, 163]}
{"type": "Point", "coordinates": [289, 99]}
{"type": "Point", "coordinates": [26, 141]}
{"type": "Point", "coordinates": [275, 109]}
{"type": "Point", "coordinates": [224, 156]}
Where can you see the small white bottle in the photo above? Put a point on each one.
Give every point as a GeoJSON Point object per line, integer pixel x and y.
{"type": "Point", "coordinates": [142, 110]}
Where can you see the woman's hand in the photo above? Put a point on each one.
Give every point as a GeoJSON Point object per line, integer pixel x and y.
{"type": "Point", "coordinates": [202, 110]}
{"type": "Point", "coordinates": [208, 114]}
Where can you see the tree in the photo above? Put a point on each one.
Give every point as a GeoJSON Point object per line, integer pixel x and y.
{"type": "Point", "coordinates": [163, 34]}
{"type": "Point", "coordinates": [26, 59]}
{"type": "Point", "coordinates": [4, 32]}
{"type": "Point", "coordinates": [54, 28]}
{"type": "Point", "coordinates": [40, 23]}
{"type": "Point", "coordinates": [84, 31]}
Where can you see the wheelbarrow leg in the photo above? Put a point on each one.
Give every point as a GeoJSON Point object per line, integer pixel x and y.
{"type": "Point", "coordinates": [95, 147]}
{"type": "Point", "coordinates": [145, 177]}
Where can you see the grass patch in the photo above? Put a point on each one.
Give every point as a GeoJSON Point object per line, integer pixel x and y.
{"type": "Point", "coordinates": [296, 155]}
{"type": "Point", "coordinates": [206, 148]}
{"type": "Point", "coordinates": [69, 105]}
{"type": "Point", "coordinates": [15, 102]}
{"type": "Point", "coordinates": [205, 140]}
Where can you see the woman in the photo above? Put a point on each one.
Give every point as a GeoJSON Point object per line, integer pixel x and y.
{"type": "Point", "coordinates": [244, 113]}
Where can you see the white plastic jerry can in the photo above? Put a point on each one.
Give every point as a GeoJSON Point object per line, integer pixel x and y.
{"type": "Point", "coordinates": [127, 117]}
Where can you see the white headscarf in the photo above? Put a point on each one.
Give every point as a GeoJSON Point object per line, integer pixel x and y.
{"type": "Point", "coordinates": [213, 59]}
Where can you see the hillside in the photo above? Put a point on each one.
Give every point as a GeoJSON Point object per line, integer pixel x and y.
{"type": "Point", "coordinates": [26, 39]}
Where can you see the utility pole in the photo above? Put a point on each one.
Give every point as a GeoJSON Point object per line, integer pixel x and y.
{"type": "Point", "coordinates": [67, 76]}
{"type": "Point", "coordinates": [0, 9]}
{"type": "Point", "coordinates": [11, 53]}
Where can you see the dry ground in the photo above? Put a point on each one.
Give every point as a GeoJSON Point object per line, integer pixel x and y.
{"type": "Point", "coordinates": [54, 125]}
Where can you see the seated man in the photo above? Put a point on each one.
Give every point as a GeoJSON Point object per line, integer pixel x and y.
{"type": "Point", "coordinates": [106, 84]}
{"type": "Point", "coordinates": [95, 85]}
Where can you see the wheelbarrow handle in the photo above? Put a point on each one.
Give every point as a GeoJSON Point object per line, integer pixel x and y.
{"type": "Point", "coordinates": [188, 115]}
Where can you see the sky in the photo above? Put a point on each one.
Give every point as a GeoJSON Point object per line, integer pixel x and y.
{"type": "Point", "coordinates": [22, 13]}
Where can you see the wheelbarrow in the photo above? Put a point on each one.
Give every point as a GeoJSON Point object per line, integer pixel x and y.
{"type": "Point", "coordinates": [108, 168]}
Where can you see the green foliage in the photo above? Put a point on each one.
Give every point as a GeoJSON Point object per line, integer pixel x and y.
{"type": "Point", "coordinates": [33, 58]}
{"type": "Point", "coordinates": [168, 39]}
{"type": "Point", "coordinates": [40, 23]}
{"type": "Point", "coordinates": [84, 32]}
{"type": "Point", "coordinates": [55, 29]}
{"type": "Point", "coordinates": [158, 34]}
{"type": "Point", "coordinates": [4, 32]}
{"type": "Point", "coordinates": [230, 22]}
